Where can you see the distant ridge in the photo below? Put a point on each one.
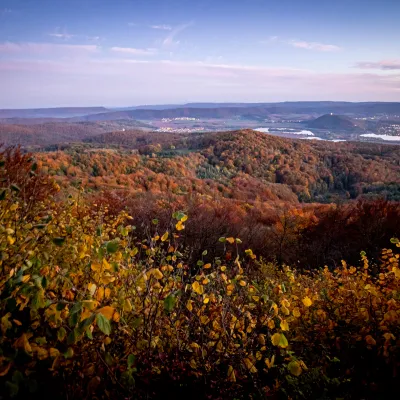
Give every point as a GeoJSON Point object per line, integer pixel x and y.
{"type": "Point", "coordinates": [57, 112]}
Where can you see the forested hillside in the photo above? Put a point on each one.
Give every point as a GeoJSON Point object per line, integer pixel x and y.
{"type": "Point", "coordinates": [293, 201]}
{"type": "Point", "coordinates": [151, 289]}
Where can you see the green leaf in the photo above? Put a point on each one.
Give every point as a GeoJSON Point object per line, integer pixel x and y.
{"type": "Point", "coordinates": [238, 241]}
{"type": "Point", "coordinates": [60, 306]}
{"type": "Point", "coordinates": [204, 253]}
{"type": "Point", "coordinates": [72, 337]}
{"type": "Point", "coordinates": [15, 188]}
{"type": "Point", "coordinates": [39, 226]}
{"type": "Point", "coordinates": [69, 353]}
{"type": "Point", "coordinates": [3, 194]}
{"type": "Point", "coordinates": [108, 359]}
{"type": "Point", "coordinates": [363, 253]}
{"type": "Point", "coordinates": [222, 239]}
{"type": "Point", "coordinates": [154, 221]}
{"type": "Point", "coordinates": [169, 303]}
{"type": "Point", "coordinates": [394, 240]}
{"type": "Point", "coordinates": [131, 360]}
{"type": "Point", "coordinates": [86, 322]}
{"type": "Point", "coordinates": [75, 308]}
{"type": "Point", "coordinates": [61, 333]}
{"type": "Point", "coordinates": [200, 263]}
{"type": "Point", "coordinates": [59, 241]}
{"type": "Point", "coordinates": [103, 323]}
{"type": "Point", "coordinates": [112, 247]}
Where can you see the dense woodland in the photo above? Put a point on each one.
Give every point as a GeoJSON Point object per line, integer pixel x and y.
{"type": "Point", "coordinates": [295, 202]}
{"type": "Point", "coordinates": [224, 265]}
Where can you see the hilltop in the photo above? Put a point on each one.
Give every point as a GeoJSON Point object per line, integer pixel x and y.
{"type": "Point", "coordinates": [336, 122]}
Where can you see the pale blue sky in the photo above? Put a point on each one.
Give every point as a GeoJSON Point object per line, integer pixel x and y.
{"type": "Point", "coordinates": [129, 52]}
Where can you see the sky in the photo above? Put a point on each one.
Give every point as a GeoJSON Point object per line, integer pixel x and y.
{"type": "Point", "coordinates": [116, 53]}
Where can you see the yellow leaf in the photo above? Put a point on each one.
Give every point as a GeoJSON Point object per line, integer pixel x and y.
{"type": "Point", "coordinates": [296, 312]}
{"type": "Point", "coordinates": [284, 325]}
{"type": "Point", "coordinates": [100, 294]}
{"type": "Point", "coordinates": [107, 292]}
{"type": "Point", "coordinates": [184, 218]}
{"type": "Point", "coordinates": [250, 365]}
{"type": "Point", "coordinates": [156, 273]}
{"type": "Point", "coordinates": [25, 278]}
{"type": "Point", "coordinates": [204, 319]}
{"type": "Point", "coordinates": [197, 287]}
{"type": "Point", "coordinates": [42, 353]}
{"type": "Point", "coordinates": [86, 314]}
{"type": "Point", "coordinates": [271, 324]}
{"type": "Point", "coordinates": [116, 316]}
{"type": "Point", "coordinates": [10, 240]}
{"type": "Point", "coordinates": [206, 266]}
{"type": "Point", "coordinates": [231, 374]}
{"type": "Point", "coordinates": [230, 287]}
{"type": "Point", "coordinates": [223, 268]}
{"type": "Point", "coordinates": [307, 301]}
{"type": "Point", "coordinates": [285, 310]}
{"type": "Point", "coordinates": [95, 267]}
{"type": "Point", "coordinates": [230, 240]}
{"type": "Point", "coordinates": [396, 272]}
{"type": "Point", "coordinates": [189, 305]}
{"type": "Point", "coordinates": [92, 288]}
{"type": "Point", "coordinates": [164, 237]}
{"type": "Point", "coordinates": [206, 300]}
{"type": "Point", "coordinates": [294, 368]}
{"type": "Point", "coordinates": [242, 283]}
{"type": "Point", "coordinates": [270, 363]}
{"type": "Point", "coordinates": [53, 352]}
{"type": "Point", "coordinates": [23, 343]}
{"type": "Point", "coordinates": [107, 311]}
{"type": "Point", "coordinates": [127, 305]}
{"type": "Point", "coordinates": [106, 264]}
{"type": "Point", "coordinates": [89, 304]}
{"type": "Point", "coordinates": [179, 226]}
{"type": "Point", "coordinates": [279, 339]}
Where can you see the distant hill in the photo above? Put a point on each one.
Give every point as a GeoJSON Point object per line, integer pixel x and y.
{"type": "Point", "coordinates": [257, 111]}
{"type": "Point", "coordinates": [336, 122]}
{"type": "Point", "coordinates": [48, 133]}
{"type": "Point", "coordinates": [59, 112]}
{"type": "Point", "coordinates": [135, 138]}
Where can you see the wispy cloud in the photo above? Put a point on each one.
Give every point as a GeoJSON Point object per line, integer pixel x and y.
{"type": "Point", "coordinates": [61, 35]}
{"type": "Point", "coordinates": [4, 11]}
{"type": "Point", "coordinates": [40, 48]}
{"type": "Point", "coordinates": [161, 27]}
{"type": "Point", "coordinates": [313, 45]}
{"type": "Point", "coordinates": [386, 65]}
{"type": "Point", "coordinates": [133, 51]}
{"type": "Point", "coordinates": [302, 44]}
{"type": "Point", "coordinates": [170, 39]}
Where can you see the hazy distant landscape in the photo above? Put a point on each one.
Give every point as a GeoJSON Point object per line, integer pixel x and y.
{"type": "Point", "coordinates": [332, 121]}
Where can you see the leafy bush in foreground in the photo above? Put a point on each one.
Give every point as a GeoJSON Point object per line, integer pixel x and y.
{"type": "Point", "coordinates": [89, 310]}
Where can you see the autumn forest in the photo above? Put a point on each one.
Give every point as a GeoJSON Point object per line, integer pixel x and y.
{"type": "Point", "coordinates": [212, 265]}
